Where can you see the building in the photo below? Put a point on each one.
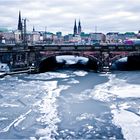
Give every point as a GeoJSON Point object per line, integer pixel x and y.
{"type": "Point", "coordinates": [9, 37]}
{"type": "Point", "coordinates": [6, 36]}
{"type": "Point", "coordinates": [59, 34]}
{"type": "Point", "coordinates": [97, 38]}
{"type": "Point", "coordinates": [19, 22]}
{"type": "Point", "coordinates": [18, 36]}
{"type": "Point", "coordinates": [60, 38]}
{"type": "Point", "coordinates": [19, 32]}
{"type": "Point", "coordinates": [76, 39]}
{"type": "Point", "coordinates": [35, 37]}
{"type": "Point", "coordinates": [138, 35]}
{"type": "Point", "coordinates": [115, 37]}
{"type": "Point", "coordinates": [47, 37]}
{"type": "Point", "coordinates": [130, 35]}
{"type": "Point", "coordinates": [112, 37]}
{"type": "Point", "coordinates": [68, 39]}
{"type": "Point", "coordinates": [85, 38]}
{"type": "Point", "coordinates": [79, 28]}
{"type": "Point", "coordinates": [121, 37]}
{"type": "Point", "coordinates": [75, 29]}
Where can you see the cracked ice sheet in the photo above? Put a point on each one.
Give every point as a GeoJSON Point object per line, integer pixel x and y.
{"type": "Point", "coordinates": [80, 73]}
{"type": "Point", "coordinates": [129, 122]}
{"type": "Point", "coordinates": [127, 91]}
{"type": "Point", "coordinates": [47, 76]}
{"type": "Point", "coordinates": [115, 88]}
{"type": "Point", "coordinates": [48, 111]}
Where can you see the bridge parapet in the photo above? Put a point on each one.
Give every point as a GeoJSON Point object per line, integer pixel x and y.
{"type": "Point", "coordinates": [41, 47]}
{"type": "Point", "coordinates": [13, 48]}
{"type": "Point", "coordinates": [87, 47]}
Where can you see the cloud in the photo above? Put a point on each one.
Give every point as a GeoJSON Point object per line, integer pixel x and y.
{"type": "Point", "coordinates": [107, 15]}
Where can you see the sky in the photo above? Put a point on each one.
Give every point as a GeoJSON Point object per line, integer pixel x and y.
{"type": "Point", "coordinates": [59, 15]}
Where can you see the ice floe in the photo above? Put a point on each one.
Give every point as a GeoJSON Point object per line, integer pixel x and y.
{"type": "Point", "coordinates": [80, 73]}
{"type": "Point", "coordinates": [129, 123]}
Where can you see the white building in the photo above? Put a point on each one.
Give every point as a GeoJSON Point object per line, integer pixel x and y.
{"type": "Point", "coordinates": [112, 37]}
{"type": "Point", "coordinates": [76, 39]}
{"type": "Point", "coordinates": [18, 36]}
{"type": "Point", "coordinates": [35, 37]}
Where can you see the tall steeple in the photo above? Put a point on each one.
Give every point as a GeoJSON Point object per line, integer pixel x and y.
{"type": "Point", "coordinates": [75, 28]}
{"type": "Point", "coordinates": [33, 29]}
{"type": "Point", "coordinates": [79, 28]}
{"type": "Point", "coordinates": [19, 22]}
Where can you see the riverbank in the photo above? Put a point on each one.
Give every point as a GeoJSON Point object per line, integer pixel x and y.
{"type": "Point", "coordinates": [29, 70]}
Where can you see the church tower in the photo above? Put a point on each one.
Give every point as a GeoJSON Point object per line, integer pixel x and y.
{"type": "Point", "coordinates": [79, 28]}
{"type": "Point", "coordinates": [33, 29]}
{"type": "Point", "coordinates": [19, 22]}
{"type": "Point", "coordinates": [75, 29]}
{"type": "Point", "coordinates": [19, 32]}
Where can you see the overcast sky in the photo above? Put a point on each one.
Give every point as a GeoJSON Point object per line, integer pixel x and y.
{"type": "Point", "coordinates": [59, 15]}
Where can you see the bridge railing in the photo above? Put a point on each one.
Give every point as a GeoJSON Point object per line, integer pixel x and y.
{"type": "Point", "coordinates": [106, 47]}
{"type": "Point", "coordinates": [13, 47]}
{"type": "Point", "coordinates": [86, 47]}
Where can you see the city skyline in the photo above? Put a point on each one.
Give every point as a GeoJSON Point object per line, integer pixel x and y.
{"type": "Point", "coordinates": [59, 15]}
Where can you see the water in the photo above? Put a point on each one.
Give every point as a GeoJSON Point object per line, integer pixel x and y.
{"type": "Point", "coordinates": [70, 104]}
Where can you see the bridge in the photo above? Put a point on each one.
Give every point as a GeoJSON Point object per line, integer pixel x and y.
{"type": "Point", "coordinates": [19, 57]}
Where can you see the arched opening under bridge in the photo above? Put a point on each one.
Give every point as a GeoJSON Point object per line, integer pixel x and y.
{"type": "Point", "coordinates": [129, 62]}
{"type": "Point", "coordinates": [55, 62]}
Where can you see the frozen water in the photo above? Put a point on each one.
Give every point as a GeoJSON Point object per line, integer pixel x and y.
{"type": "Point", "coordinates": [129, 122]}
{"type": "Point", "coordinates": [70, 105]}
{"type": "Point", "coordinates": [71, 59]}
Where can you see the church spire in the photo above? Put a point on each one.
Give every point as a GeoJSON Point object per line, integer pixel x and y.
{"type": "Point", "coordinates": [75, 28]}
{"type": "Point", "coordinates": [79, 28]}
{"type": "Point", "coordinates": [19, 22]}
{"type": "Point", "coordinates": [33, 29]}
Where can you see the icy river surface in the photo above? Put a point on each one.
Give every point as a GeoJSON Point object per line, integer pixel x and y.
{"type": "Point", "coordinates": [70, 104]}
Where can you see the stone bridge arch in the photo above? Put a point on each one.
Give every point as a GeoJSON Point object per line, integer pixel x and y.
{"type": "Point", "coordinates": [93, 56]}
{"type": "Point", "coordinates": [116, 56]}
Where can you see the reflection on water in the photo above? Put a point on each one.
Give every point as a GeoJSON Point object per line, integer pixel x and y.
{"type": "Point", "coordinates": [70, 104]}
